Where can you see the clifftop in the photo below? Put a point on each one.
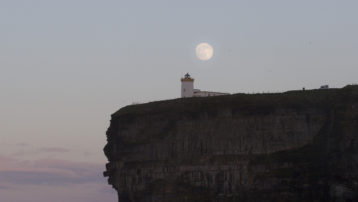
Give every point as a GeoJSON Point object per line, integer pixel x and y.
{"type": "Point", "coordinates": [292, 146]}
{"type": "Point", "coordinates": [299, 98]}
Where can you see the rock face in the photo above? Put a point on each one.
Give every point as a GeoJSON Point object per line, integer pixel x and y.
{"type": "Point", "coordinates": [294, 146]}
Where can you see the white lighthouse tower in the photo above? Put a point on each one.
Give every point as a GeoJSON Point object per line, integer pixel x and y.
{"type": "Point", "coordinates": [187, 86]}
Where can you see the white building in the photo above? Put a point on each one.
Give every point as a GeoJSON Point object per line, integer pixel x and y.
{"type": "Point", "coordinates": [187, 89]}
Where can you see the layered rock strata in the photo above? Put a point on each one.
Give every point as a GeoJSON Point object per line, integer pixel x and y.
{"type": "Point", "coordinates": [293, 146]}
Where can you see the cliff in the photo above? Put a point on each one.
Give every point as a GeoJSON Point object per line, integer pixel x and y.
{"type": "Point", "coordinates": [292, 146]}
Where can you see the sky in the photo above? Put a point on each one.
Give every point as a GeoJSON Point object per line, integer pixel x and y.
{"type": "Point", "coordinates": [66, 66]}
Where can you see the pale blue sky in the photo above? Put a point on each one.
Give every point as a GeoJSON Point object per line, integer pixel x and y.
{"type": "Point", "coordinates": [66, 65]}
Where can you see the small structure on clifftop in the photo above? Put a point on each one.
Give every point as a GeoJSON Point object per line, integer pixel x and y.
{"type": "Point", "coordinates": [187, 89]}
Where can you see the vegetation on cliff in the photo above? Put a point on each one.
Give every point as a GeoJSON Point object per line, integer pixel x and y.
{"type": "Point", "coordinates": [292, 146]}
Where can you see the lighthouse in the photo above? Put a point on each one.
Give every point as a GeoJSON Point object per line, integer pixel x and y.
{"type": "Point", "coordinates": [187, 86]}
{"type": "Point", "coordinates": [187, 89]}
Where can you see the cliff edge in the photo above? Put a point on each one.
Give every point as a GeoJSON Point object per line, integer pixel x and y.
{"type": "Point", "coordinates": [293, 146]}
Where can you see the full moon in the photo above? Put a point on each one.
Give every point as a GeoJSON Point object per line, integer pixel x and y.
{"type": "Point", "coordinates": [204, 51]}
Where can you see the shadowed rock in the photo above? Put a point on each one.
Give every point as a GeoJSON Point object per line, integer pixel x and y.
{"type": "Point", "coordinates": [293, 146]}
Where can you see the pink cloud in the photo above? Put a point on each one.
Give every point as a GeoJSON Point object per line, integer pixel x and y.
{"type": "Point", "coordinates": [69, 181]}
{"type": "Point", "coordinates": [31, 151]}
{"type": "Point", "coordinates": [69, 193]}
{"type": "Point", "coordinates": [48, 170]}
{"type": "Point", "coordinates": [2, 186]}
{"type": "Point", "coordinates": [53, 149]}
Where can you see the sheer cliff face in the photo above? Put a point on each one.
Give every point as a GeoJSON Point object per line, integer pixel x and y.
{"type": "Point", "coordinates": [296, 146]}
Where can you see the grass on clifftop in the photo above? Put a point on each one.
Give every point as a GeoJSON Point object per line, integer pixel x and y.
{"type": "Point", "coordinates": [320, 98]}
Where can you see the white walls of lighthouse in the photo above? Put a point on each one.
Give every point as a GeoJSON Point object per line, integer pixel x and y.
{"type": "Point", "coordinates": [187, 88]}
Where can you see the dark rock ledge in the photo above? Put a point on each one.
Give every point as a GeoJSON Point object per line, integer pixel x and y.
{"type": "Point", "coordinates": [293, 146]}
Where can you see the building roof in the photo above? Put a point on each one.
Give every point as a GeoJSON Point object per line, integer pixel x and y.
{"type": "Point", "coordinates": [187, 78]}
